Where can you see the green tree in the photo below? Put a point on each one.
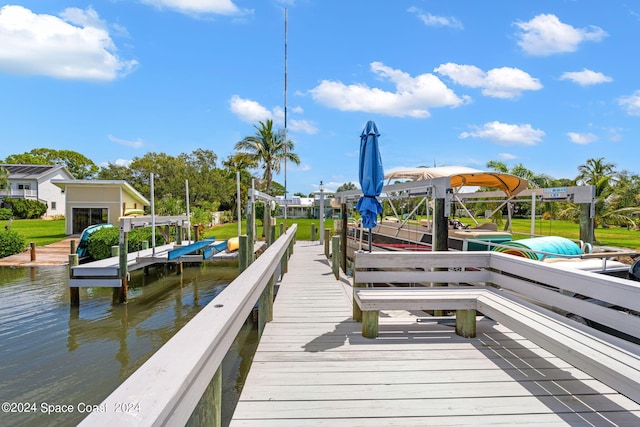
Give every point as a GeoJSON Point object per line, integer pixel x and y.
{"type": "Point", "coordinates": [4, 179]}
{"type": "Point", "coordinates": [115, 172]}
{"type": "Point", "coordinates": [268, 150]}
{"type": "Point", "coordinates": [80, 166]}
{"type": "Point", "coordinates": [346, 187]}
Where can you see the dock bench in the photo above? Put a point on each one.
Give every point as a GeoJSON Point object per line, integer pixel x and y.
{"type": "Point", "coordinates": [372, 300]}
{"type": "Point", "coordinates": [515, 301]}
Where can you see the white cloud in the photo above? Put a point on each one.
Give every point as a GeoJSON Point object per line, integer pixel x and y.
{"type": "Point", "coordinates": [582, 138]}
{"type": "Point", "coordinates": [304, 126]}
{"type": "Point", "coordinates": [546, 35]}
{"type": "Point", "coordinates": [252, 112]}
{"type": "Point", "coordinates": [249, 111]}
{"type": "Point", "coordinates": [75, 45]}
{"type": "Point", "coordinates": [138, 143]}
{"type": "Point", "coordinates": [413, 96]}
{"type": "Point", "coordinates": [506, 134]}
{"type": "Point", "coordinates": [502, 82]}
{"type": "Point", "coordinates": [435, 21]}
{"type": "Point", "coordinates": [631, 103]}
{"type": "Point", "coordinates": [123, 162]}
{"type": "Point", "coordinates": [197, 7]}
{"type": "Point", "coordinates": [586, 77]}
{"type": "Point", "coordinates": [507, 156]}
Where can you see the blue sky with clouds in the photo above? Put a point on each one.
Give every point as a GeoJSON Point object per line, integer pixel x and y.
{"type": "Point", "coordinates": [548, 84]}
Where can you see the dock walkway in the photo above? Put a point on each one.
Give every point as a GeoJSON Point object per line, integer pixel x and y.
{"type": "Point", "coordinates": [313, 367]}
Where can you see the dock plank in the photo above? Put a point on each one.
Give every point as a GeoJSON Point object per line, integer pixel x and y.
{"type": "Point", "coordinates": [312, 367]}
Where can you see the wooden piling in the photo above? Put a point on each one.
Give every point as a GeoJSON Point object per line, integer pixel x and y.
{"type": "Point", "coordinates": [466, 323]}
{"type": "Point", "coordinates": [335, 256]}
{"type": "Point", "coordinates": [243, 262]}
{"type": "Point", "coordinates": [272, 235]}
{"type": "Point", "coordinates": [251, 220]}
{"type": "Point", "coordinates": [313, 232]}
{"type": "Point", "coordinates": [265, 306]}
{"type": "Point", "coordinates": [123, 268]}
{"type": "Point", "coordinates": [266, 223]}
{"type": "Point", "coordinates": [72, 246]}
{"type": "Point", "coordinates": [370, 324]}
{"type": "Point", "coordinates": [32, 250]}
{"type": "Point", "coordinates": [208, 411]}
{"type": "Point", "coordinates": [74, 292]}
{"type": "Point", "coordinates": [327, 237]}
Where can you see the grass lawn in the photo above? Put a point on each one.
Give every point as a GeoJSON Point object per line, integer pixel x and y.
{"type": "Point", "coordinates": [614, 236]}
{"type": "Point", "coordinates": [225, 231]}
{"type": "Point", "coordinates": [42, 232]}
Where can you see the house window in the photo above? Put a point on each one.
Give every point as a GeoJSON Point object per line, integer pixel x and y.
{"type": "Point", "coordinates": [53, 206]}
{"type": "Point", "coordinates": [24, 186]}
{"type": "Point", "coordinates": [84, 217]}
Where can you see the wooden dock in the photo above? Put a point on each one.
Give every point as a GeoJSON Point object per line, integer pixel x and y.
{"type": "Point", "coordinates": [313, 367]}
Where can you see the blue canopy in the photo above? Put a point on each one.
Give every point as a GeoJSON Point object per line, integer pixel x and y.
{"type": "Point", "coordinates": [371, 175]}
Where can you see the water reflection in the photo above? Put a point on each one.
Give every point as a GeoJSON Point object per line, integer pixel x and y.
{"type": "Point", "coordinates": [53, 354]}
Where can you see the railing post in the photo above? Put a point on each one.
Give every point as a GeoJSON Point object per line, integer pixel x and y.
{"type": "Point", "coordinates": [284, 262]}
{"type": "Point", "coordinates": [243, 261]}
{"type": "Point", "coordinates": [265, 306]}
{"type": "Point", "coordinates": [208, 412]}
{"type": "Point", "coordinates": [327, 236]}
{"type": "Point", "coordinates": [466, 323]}
{"type": "Point", "coordinates": [335, 256]}
{"type": "Point", "coordinates": [74, 292]}
{"type": "Point", "coordinates": [266, 223]}
{"type": "Point", "coordinates": [251, 216]}
{"type": "Point", "coordinates": [272, 235]}
{"type": "Point", "coordinates": [313, 232]}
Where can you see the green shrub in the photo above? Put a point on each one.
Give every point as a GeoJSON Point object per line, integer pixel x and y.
{"type": "Point", "coordinates": [100, 242]}
{"type": "Point", "coordinates": [11, 243]}
{"type": "Point", "coordinates": [25, 208]}
{"type": "Point", "coordinates": [5, 214]}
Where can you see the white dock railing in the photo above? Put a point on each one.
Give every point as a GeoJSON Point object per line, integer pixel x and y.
{"type": "Point", "coordinates": [166, 389]}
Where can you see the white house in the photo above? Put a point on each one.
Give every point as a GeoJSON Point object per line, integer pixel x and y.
{"type": "Point", "coordinates": [91, 202]}
{"type": "Point", "coordinates": [34, 182]}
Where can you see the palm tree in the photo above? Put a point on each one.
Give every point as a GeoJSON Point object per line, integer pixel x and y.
{"type": "Point", "coordinates": [598, 173]}
{"type": "Point", "coordinates": [268, 150]}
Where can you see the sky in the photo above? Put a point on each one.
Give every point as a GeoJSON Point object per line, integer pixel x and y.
{"type": "Point", "coordinates": [546, 84]}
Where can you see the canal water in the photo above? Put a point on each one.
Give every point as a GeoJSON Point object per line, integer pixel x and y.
{"type": "Point", "coordinates": [55, 362]}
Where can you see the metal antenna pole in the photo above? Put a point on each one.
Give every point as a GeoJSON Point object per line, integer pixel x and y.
{"type": "Point", "coordinates": [285, 117]}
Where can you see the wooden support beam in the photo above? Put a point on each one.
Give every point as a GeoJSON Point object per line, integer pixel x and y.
{"type": "Point", "coordinates": [208, 412]}
{"type": "Point", "coordinates": [327, 237]}
{"type": "Point", "coordinates": [74, 292]}
{"type": "Point", "coordinates": [370, 324]}
{"type": "Point", "coordinates": [265, 306]}
{"type": "Point", "coordinates": [466, 323]}
{"type": "Point", "coordinates": [335, 256]}
{"type": "Point", "coordinates": [243, 261]}
{"type": "Point", "coordinates": [122, 265]}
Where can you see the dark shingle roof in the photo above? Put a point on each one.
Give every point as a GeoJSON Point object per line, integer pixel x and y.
{"type": "Point", "coordinates": [28, 171]}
